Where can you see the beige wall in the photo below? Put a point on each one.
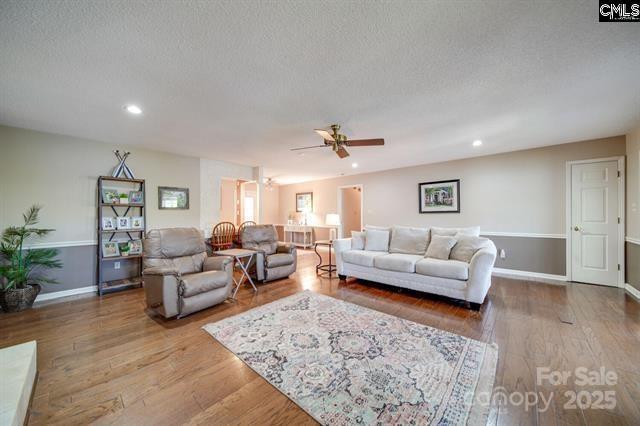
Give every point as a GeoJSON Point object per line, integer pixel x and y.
{"type": "Point", "coordinates": [350, 215]}
{"type": "Point", "coordinates": [228, 201]}
{"type": "Point", "coordinates": [633, 183]}
{"type": "Point", "coordinates": [521, 191]}
{"type": "Point", "coordinates": [61, 172]}
{"type": "Point", "coordinates": [271, 205]}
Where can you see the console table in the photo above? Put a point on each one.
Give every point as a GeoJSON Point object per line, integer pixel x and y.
{"type": "Point", "coordinates": [305, 230]}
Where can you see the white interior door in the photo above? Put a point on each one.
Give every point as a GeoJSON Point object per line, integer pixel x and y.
{"type": "Point", "coordinates": [594, 223]}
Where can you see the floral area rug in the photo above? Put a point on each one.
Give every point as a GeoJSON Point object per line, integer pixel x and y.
{"type": "Point", "coordinates": [345, 364]}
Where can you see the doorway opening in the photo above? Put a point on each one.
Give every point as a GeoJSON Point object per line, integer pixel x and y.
{"type": "Point", "coordinates": [350, 209]}
{"type": "Point", "coordinates": [595, 221]}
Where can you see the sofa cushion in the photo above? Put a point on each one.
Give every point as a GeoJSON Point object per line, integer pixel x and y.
{"type": "Point", "coordinates": [279, 259]}
{"type": "Point", "coordinates": [450, 232]}
{"type": "Point", "coordinates": [440, 247]}
{"type": "Point", "coordinates": [453, 269]}
{"type": "Point", "coordinates": [361, 257]}
{"type": "Point", "coordinates": [202, 282]}
{"type": "Point", "coordinates": [467, 246]}
{"type": "Point", "coordinates": [398, 262]}
{"type": "Point", "coordinates": [409, 240]}
{"type": "Point", "coordinates": [357, 240]}
{"type": "Point", "coordinates": [376, 240]}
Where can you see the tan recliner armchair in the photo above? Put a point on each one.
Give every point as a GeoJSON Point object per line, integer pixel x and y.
{"type": "Point", "coordinates": [274, 259]}
{"type": "Point", "coordinates": [179, 278]}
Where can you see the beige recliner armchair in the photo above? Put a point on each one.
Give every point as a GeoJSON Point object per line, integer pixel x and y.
{"type": "Point", "coordinates": [179, 278]}
{"type": "Point", "coordinates": [274, 259]}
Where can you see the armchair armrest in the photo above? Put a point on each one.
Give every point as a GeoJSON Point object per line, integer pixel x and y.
{"type": "Point", "coordinates": [216, 263]}
{"type": "Point", "coordinates": [480, 271]}
{"type": "Point", "coordinates": [285, 248]}
{"type": "Point", "coordinates": [161, 270]}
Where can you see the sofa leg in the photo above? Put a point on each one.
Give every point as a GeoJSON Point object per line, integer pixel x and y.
{"type": "Point", "coordinates": [475, 306]}
{"type": "Point", "coordinates": [342, 277]}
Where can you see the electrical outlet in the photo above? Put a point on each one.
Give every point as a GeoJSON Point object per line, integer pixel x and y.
{"type": "Point", "coordinates": [503, 255]}
{"type": "Point", "coordinates": [116, 265]}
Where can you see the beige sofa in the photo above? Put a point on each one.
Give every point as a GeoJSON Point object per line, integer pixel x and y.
{"type": "Point", "coordinates": [274, 259]}
{"type": "Point", "coordinates": [179, 277]}
{"type": "Point", "coordinates": [403, 261]}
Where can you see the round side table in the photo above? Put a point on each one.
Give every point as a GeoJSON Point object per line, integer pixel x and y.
{"type": "Point", "coordinates": [328, 267]}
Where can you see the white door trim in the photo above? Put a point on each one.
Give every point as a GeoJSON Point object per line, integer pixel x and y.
{"type": "Point", "coordinates": [621, 213]}
{"type": "Point", "coordinates": [340, 188]}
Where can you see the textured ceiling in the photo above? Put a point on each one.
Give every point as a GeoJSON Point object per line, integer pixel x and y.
{"type": "Point", "coordinates": [244, 81]}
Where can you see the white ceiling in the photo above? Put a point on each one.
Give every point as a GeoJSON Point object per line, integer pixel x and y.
{"type": "Point", "coordinates": [245, 81]}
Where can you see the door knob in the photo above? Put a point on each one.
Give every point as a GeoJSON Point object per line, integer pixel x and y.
{"type": "Point", "coordinates": [576, 228]}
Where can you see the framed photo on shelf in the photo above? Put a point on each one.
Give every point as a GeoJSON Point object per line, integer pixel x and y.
{"type": "Point", "coordinates": [110, 249]}
{"type": "Point", "coordinates": [136, 197]}
{"type": "Point", "coordinates": [170, 198]}
{"type": "Point", "coordinates": [440, 197]}
{"type": "Point", "coordinates": [135, 247]}
{"type": "Point", "coordinates": [137, 222]}
{"type": "Point", "coordinates": [108, 223]}
{"type": "Point", "coordinates": [124, 222]}
{"type": "Point", "coordinates": [110, 195]}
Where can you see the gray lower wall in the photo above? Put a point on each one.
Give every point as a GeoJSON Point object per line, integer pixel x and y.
{"type": "Point", "coordinates": [79, 269]}
{"type": "Point", "coordinates": [632, 263]}
{"type": "Point", "coordinates": [542, 255]}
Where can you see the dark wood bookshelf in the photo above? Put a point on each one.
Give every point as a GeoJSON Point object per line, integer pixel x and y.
{"type": "Point", "coordinates": [109, 234]}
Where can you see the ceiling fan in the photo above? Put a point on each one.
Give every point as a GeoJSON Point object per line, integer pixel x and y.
{"type": "Point", "coordinates": [337, 141]}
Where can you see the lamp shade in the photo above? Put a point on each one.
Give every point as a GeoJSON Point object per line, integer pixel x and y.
{"type": "Point", "coordinates": [332, 219]}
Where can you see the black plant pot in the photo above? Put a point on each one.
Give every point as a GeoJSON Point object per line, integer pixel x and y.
{"type": "Point", "coordinates": [19, 299]}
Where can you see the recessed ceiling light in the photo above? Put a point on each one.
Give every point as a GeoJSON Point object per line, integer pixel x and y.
{"type": "Point", "coordinates": [477, 142]}
{"type": "Point", "coordinates": [354, 165]}
{"type": "Point", "coordinates": [133, 109]}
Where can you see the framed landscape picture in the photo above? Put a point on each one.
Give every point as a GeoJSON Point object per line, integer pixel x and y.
{"type": "Point", "coordinates": [440, 197]}
{"type": "Point", "coordinates": [110, 249]}
{"type": "Point", "coordinates": [173, 198]}
{"type": "Point", "coordinates": [304, 202]}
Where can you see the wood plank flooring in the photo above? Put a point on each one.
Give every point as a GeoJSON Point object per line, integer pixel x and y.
{"type": "Point", "coordinates": [107, 361]}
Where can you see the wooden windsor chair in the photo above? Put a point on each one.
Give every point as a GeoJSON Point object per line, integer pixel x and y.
{"type": "Point", "coordinates": [240, 228]}
{"type": "Point", "coordinates": [222, 236]}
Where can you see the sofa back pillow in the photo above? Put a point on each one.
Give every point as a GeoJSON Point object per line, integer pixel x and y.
{"type": "Point", "coordinates": [357, 240]}
{"type": "Point", "coordinates": [450, 232]}
{"type": "Point", "coordinates": [377, 228]}
{"type": "Point", "coordinates": [467, 246]}
{"type": "Point", "coordinates": [407, 240]}
{"type": "Point", "coordinates": [376, 240]}
{"type": "Point", "coordinates": [440, 247]}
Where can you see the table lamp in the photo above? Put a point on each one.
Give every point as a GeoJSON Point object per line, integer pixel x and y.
{"type": "Point", "coordinates": [332, 219]}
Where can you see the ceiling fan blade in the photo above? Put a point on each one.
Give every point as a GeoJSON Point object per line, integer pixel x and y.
{"type": "Point", "coordinates": [309, 147]}
{"type": "Point", "coordinates": [325, 135]}
{"type": "Point", "coordinates": [342, 153]}
{"type": "Point", "coordinates": [365, 142]}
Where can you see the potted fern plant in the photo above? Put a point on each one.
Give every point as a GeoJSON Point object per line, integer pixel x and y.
{"type": "Point", "coordinates": [21, 269]}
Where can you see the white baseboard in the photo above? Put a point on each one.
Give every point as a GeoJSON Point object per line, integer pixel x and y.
{"type": "Point", "coordinates": [632, 291]}
{"type": "Point", "coordinates": [65, 293]}
{"type": "Point", "coordinates": [533, 276]}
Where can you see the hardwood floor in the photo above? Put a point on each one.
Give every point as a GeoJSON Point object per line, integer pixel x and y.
{"type": "Point", "coordinates": [106, 360]}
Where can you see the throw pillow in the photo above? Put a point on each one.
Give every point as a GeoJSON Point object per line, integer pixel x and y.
{"type": "Point", "coordinates": [357, 240]}
{"type": "Point", "coordinates": [450, 232]}
{"type": "Point", "coordinates": [408, 240]}
{"type": "Point", "coordinates": [377, 228]}
{"type": "Point", "coordinates": [467, 246]}
{"type": "Point", "coordinates": [440, 247]}
{"type": "Point", "coordinates": [376, 240]}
